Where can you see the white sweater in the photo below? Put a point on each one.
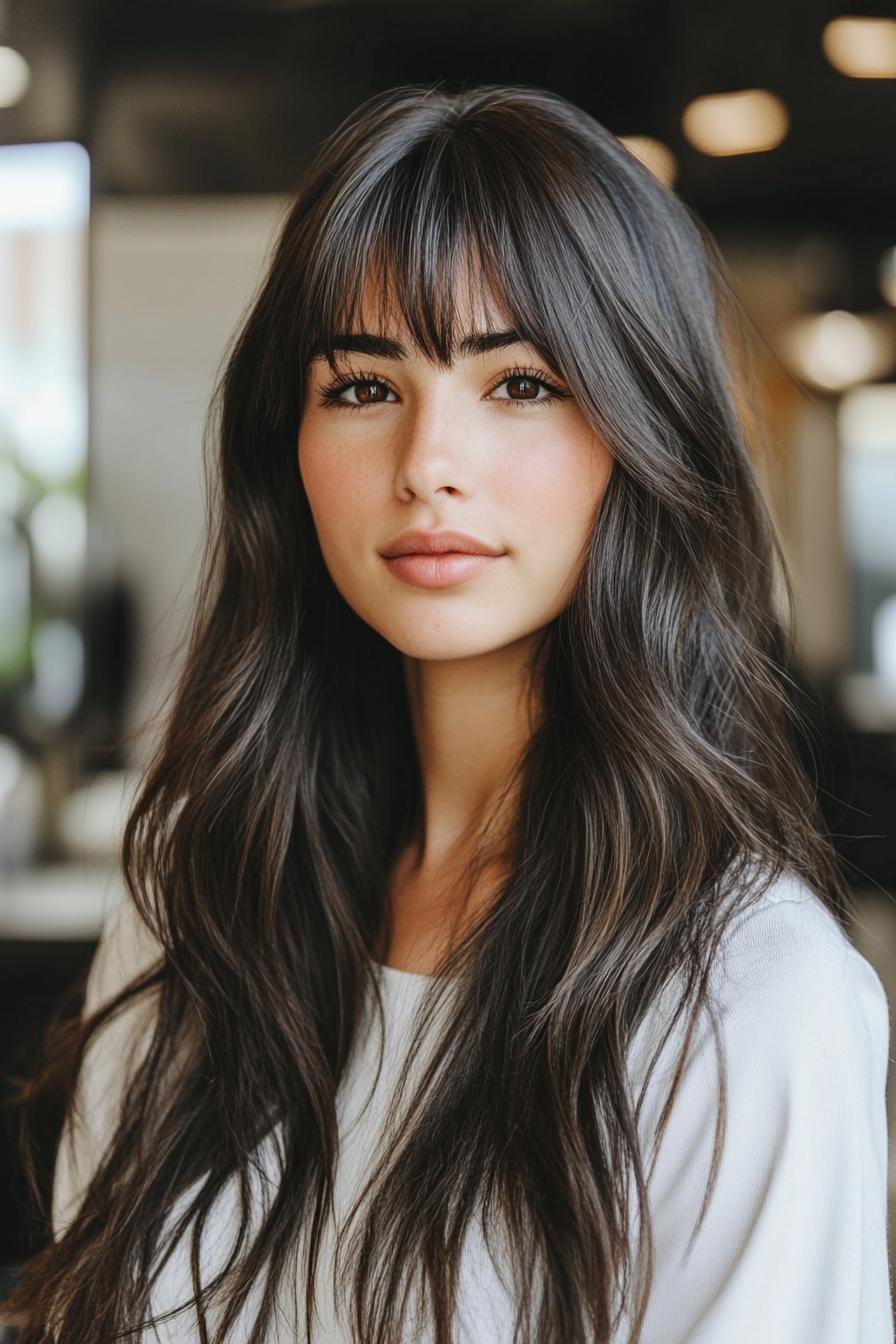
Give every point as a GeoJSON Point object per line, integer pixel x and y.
{"type": "Point", "coordinates": [794, 1246]}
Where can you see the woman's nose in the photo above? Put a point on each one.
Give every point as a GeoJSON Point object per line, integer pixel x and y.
{"type": "Point", "coordinates": [436, 448]}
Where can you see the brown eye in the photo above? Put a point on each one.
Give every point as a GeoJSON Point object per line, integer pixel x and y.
{"type": "Point", "coordinates": [356, 392]}
{"type": "Point", "coordinates": [370, 392]}
{"type": "Point", "coordinates": [528, 387]}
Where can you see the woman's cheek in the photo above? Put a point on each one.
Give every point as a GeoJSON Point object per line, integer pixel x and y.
{"type": "Point", "coordinates": [325, 477]}
{"type": "Point", "coordinates": [548, 486]}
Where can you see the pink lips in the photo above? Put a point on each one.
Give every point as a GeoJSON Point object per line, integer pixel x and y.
{"type": "Point", "coordinates": [438, 559]}
{"type": "Point", "coordinates": [439, 570]}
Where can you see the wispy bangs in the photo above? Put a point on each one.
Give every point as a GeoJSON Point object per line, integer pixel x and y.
{"type": "Point", "coordinates": [435, 246]}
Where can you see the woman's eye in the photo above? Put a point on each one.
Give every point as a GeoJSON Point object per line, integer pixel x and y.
{"type": "Point", "coordinates": [524, 388]}
{"type": "Point", "coordinates": [367, 392]}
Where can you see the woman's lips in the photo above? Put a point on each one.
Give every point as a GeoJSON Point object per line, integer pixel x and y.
{"type": "Point", "coordinates": [440, 570]}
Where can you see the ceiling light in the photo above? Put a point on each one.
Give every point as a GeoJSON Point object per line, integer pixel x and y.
{"type": "Point", "coordinates": [839, 349]}
{"type": "Point", "coordinates": [864, 48]}
{"type": "Point", "coordinates": [745, 122]}
{"type": "Point", "coordinates": [654, 155]}
{"type": "Point", "coordinates": [15, 76]}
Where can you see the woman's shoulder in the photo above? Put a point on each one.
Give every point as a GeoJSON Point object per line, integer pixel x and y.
{"type": "Point", "coordinates": [789, 947]}
{"type": "Point", "coordinates": [785, 975]}
{"type": "Point", "coordinates": [795, 1235]}
{"type": "Point", "coordinates": [125, 950]}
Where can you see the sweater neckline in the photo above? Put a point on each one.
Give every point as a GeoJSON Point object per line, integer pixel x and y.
{"type": "Point", "coordinates": [399, 982]}
{"type": "Point", "coordinates": [397, 976]}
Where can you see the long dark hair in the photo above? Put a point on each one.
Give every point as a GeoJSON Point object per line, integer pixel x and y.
{"type": "Point", "coordinates": [661, 780]}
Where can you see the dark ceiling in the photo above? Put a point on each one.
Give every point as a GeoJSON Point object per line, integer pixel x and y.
{"type": "Point", "coordinates": [204, 96]}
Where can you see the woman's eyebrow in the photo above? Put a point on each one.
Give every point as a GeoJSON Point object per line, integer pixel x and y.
{"type": "Point", "coordinates": [384, 347]}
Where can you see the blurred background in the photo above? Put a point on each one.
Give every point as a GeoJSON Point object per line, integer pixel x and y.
{"type": "Point", "coordinates": [147, 151]}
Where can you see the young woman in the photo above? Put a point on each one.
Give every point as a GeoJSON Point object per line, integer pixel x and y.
{"type": "Point", "coordinates": [483, 973]}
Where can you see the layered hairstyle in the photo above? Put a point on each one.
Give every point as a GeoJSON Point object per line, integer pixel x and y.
{"type": "Point", "coordinates": [660, 790]}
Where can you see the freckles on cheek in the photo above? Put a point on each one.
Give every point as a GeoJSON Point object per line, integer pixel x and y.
{"type": "Point", "coordinates": [320, 465]}
{"type": "Point", "coordinates": [339, 493]}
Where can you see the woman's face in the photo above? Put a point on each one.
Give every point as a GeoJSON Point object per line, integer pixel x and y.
{"type": "Point", "coordinates": [489, 447]}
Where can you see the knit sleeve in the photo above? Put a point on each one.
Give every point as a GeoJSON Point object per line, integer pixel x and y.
{"type": "Point", "coordinates": [126, 949]}
{"type": "Point", "coordinates": [794, 1245]}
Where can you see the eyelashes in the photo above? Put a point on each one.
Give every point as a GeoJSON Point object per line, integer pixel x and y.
{"type": "Point", "coordinates": [331, 396]}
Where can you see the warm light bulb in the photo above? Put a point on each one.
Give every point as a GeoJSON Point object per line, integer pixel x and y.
{"type": "Point", "coordinates": [746, 122]}
{"type": "Point", "coordinates": [864, 48]}
{"type": "Point", "coordinates": [654, 155]}
{"type": "Point", "coordinates": [839, 349]}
